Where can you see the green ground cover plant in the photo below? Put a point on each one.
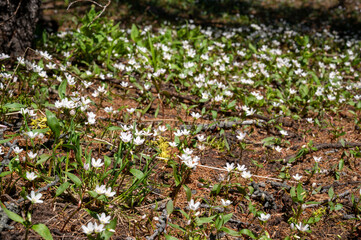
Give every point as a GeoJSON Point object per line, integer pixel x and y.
{"type": "Point", "coordinates": [180, 131]}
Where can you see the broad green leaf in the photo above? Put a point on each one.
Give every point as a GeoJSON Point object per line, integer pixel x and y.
{"type": "Point", "coordinates": [177, 227]}
{"type": "Point", "coordinates": [5, 140]}
{"type": "Point", "coordinates": [43, 158]}
{"type": "Point", "coordinates": [170, 207]}
{"type": "Point", "coordinates": [113, 128]}
{"type": "Point", "coordinates": [137, 173]}
{"type": "Point", "coordinates": [3, 174]}
{"type": "Point", "coordinates": [168, 237]}
{"type": "Point", "coordinates": [13, 216]}
{"type": "Point", "coordinates": [74, 178]}
{"type": "Point", "coordinates": [188, 192]}
{"type": "Point", "coordinates": [62, 89]}
{"type": "Point", "coordinates": [249, 233]}
{"type": "Point", "coordinates": [231, 232]}
{"type": "Point", "coordinates": [203, 220]}
{"type": "Point", "coordinates": [134, 34]}
{"type": "Point", "coordinates": [42, 230]}
{"type": "Point", "coordinates": [331, 193]}
{"type": "Point", "coordinates": [62, 188]}
{"type": "Point", "coordinates": [107, 234]}
{"type": "Point", "coordinates": [14, 106]}
{"type": "Point", "coordinates": [53, 123]}
{"type": "Point", "coordinates": [107, 161]}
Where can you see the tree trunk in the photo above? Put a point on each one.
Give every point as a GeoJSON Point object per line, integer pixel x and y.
{"type": "Point", "coordinates": [18, 20]}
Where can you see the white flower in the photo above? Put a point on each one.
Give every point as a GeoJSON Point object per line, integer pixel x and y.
{"type": "Point", "coordinates": [162, 128]}
{"type": "Point", "coordinates": [31, 135]}
{"type": "Point", "coordinates": [98, 228]}
{"type": "Point", "coordinates": [186, 132]}
{"type": "Point", "coordinates": [88, 229]}
{"type": "Point", "coordinates": [309, 120]}
{"type": "Point", "coordinates": [97, 163]}
{"type": "Point", "coordinates": [188, 151]}
{"type": "Point", "coordinates": [91, 118]}
{"type": "Point", "coordinates": [201, 138]}
{"type": "Point", "coordinates": [218, 98]}
{"type": "Point", "coordinates": [300, 227]}
{"type": "Point", "coordinates": [86, 166]}
{"type": "Point", "coordinates": [241, 136]}
{"type": "Point", "coordinates": [124, 84]}
{"type": "Point", "coordinates": [264, 217]}
{"type": "Point", "coordinates": [278, 149]}
{"type": "Point", "coordinates": [138, 141]}
{"type": "Point", "coordinates": [31, 176]}
{"type": "Point", "coordinates": [250, 112]}
{"type": "Point", "coordinates": [172, 144]}
{"type": "Point", "coordinates": [17, 150]}
{"type": "Point", "coordinates": [196, 115]}
{"type": "Point", "coordinates": [178, 133]}
{"type": "Point", "coordinates": [32, 155]}
{"type": "Point", "coordinates": [193, 206]}
{"type": "Point", "coordinates": [35, 198]}
{"type": "Point", "coordinates": [103, 218]}
{"type": "Point", "coordinates": [100, 189]}
{"type": "Point", "coordinates": [297, 177]}
{"type": "Point", "coordinates": [108, 109]}
{"type": "Point", "coordinates": [229, 167]}
{"type": "Point", "coordinates": [126, 136]}
{"type": "Point", "coordinates": [317, 159]}
{"type": "Point", "coordinates": [108, 192]}
{"type": "Point", "coordinates": [241, 168]}
{"type": "Point", "coordinates": [225, 203]}
{"type": "Point", "coordinates": [201, 147]}
{"type": "Point", "coordinates": [130, 110]}
{"type": "Point", "coordinates": [284, 133]}
{"type": "Point", "coordinates": [246, 174]}
{"type": "Point", "coordinates": [1, 151]}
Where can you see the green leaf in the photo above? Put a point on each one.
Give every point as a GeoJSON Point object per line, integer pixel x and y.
{"type": "Point", "coordinates": [331, 193]}
{"type": "Point", "coordinates": [216, 188]}
{"type": "Point", "coordinates": [13, 216]}
{"type": "Point", "coordinates": [134, 34]}
{"type": "Point", "coordinates": [113, 128]}
{"type": "Point", "coordinates": [157, 111]}
{"type": "Point", "coordinates": [62, 188]}
{"type": "Point", "coordinates": [168, 237]}
{"type": "Point", "coordinates": [62, 89]}
{"type": "Point", "coordinates": [170, 207]}
{"type": "Point", "coordinates": [74, 178]}
{"type": "Point", "coordinates": [107, 161]}
{"type": "Point", "coordinates": [14, 106]}
{"type": "Point", "coordinates": [253, 49]}
{"type": "Point", "coordinates": [3, 174]}
{"type": "Point", "coordinates": [53, 123]}
{"type": "Point", "coordinates": [5, 140]}
{"type": "Point", "coordinates": [137, 173]}
{"type": "Point", "coordinates": [249, 233]}
{"type": "Point", "coordinates": [107, 234]}
{"type": "Point", "coordinates": [231, 232]}
{"type": "Point", "coordinates": [43, 158]}
{"type": "Point", "coordinates": [177, 227]}
{"type": "Point", "coordinates": [42, 230]}
{"type": "Point", "coordinates": [231, 104]}
{"type": "Point", "coordinates": [200, 221]}
{"type": "Point", "coordinates": [188, 192]}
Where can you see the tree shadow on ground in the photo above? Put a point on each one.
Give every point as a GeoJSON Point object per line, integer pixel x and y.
{"type": "Point", "coordinates": [232, 13]}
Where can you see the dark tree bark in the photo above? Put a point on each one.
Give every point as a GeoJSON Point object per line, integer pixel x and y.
{"type": "Point", "coordinates": [18, 20]}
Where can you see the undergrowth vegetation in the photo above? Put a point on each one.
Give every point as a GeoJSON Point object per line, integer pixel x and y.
{"type": "Point", "coordinates": [182, 132]}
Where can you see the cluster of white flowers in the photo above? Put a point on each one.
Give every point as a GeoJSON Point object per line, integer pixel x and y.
{"type": "Point", "coordinates": [190, 161]}
{"type": "Point", "coordinates": [104, 190]}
